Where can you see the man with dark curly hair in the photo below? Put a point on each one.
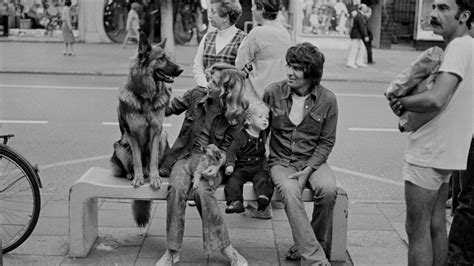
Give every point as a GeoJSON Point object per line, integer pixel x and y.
{"type": "Point", "coordinates": [303, 123]}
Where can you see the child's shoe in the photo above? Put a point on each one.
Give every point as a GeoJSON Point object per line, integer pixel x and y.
{"type": "Point", "coordinates": [235, 206]}
{"type": "Point", "coordinates": [262, 202]}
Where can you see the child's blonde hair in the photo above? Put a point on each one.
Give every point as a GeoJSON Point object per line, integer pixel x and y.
{"type": "Point", "coordinates": [254, 108]}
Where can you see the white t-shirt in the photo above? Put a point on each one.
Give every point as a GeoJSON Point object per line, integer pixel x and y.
{"type": "Point", "coordinates": [297, 109]}
{"type": "Point", "coordinates": [444, 141]}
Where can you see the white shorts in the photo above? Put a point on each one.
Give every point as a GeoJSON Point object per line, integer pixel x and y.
{"type": "Point", "coordinates": [425, 177]}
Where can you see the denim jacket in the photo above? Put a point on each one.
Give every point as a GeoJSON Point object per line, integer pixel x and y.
{"type": "Point", "coordinates": [309, 143]}
{"type": "Point", "coordinates": [194, 103]}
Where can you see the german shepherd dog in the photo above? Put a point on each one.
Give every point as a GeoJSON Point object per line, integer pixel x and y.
{"type": "Point", "coordinates": [141, 111]}
{"type": "Point", "coordinates": [210, 156]}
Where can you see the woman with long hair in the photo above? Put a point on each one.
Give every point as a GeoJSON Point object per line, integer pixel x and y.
{"type": "Point", "coordinates": [212, 116]}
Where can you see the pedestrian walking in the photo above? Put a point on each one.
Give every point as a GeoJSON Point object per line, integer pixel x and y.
{"type": "Point", "coordinates": [132, 25]}
{"type": "Point", "coordinates": [212, 116]}
{"type": "Point", "coordinates": [367, 12]}
{"type": "Point", "coordinates": [358, 35]}
{"type": "Point", "coordinates": [66, 29]}
{"type": "Point", "coordinates": [442, 144]}
{"type": "Point", "coordinates": [264, 48]}
{"type": "Point", "coordinates": [303, 123]}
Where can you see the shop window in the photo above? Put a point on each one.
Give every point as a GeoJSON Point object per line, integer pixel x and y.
{"type": "Point", "coordinates": [43, 16]}
{"type": "Point", "coordinates": [327, 17]}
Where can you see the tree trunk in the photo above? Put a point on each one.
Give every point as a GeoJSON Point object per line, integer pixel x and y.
{"type": "Point", "coordinates": [167, 25]}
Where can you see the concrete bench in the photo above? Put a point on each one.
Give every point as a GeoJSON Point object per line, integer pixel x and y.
{"type": "Point", "coordinates": [99, 183]}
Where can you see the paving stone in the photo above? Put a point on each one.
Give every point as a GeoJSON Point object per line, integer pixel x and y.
{"type": "Point", "coordinates": [381, 239]}
{"type": "Point", "coordinates": [282, 230]}
{"type": "Point", "coordinates": [122, 236]}
{"type": "Point", "coordinates": [363, 208]}
{"type": "Point", "coordinates": [378, 256]}
{"type": "Point", "coordinates": [192, 228]}
{"type": "Point", "coordinates": [22, 260]}
{"type": "Point", "coordinates": [244, 222]}
{"type": "Point", "coordinates": [367, 222]}
{"type": "Point", "coordinates": [116, 218]}
{"type": "Point", "coordinates": [43, 246]}
{"type": "Point", "coordinates": [52, 226]}
{"type": "Point", "coordinates": [55, 208]}
{"type": "Point", "coordinates": [256, 238]}
{"type": "Point", "coordinates": [117, 256]}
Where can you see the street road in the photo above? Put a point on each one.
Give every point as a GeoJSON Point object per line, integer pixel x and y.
{"type": "Point", "coordinates": [67, 124]}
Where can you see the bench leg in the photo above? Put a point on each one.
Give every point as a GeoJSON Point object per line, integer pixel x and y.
{"type": "Point", "coordinates": [83, 225]}
{"type": "Point", "coordinates": [339, 227]}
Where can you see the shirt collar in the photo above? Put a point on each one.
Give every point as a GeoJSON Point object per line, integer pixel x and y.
{"type": "Point", "coordinates": [287, 92]}
{"type": "Point", "coordinates": [230, 31]}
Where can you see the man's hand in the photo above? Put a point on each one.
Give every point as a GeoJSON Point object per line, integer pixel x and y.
{"type": "Point", "coordinates": [210, 172]}
{"type": "Point", "coordinates": [302, 176]}
{"type": "Point", "coordinates": [366, 39]}
{"type": "Point", "coordinates": [396, 106]}
{"type": "Point", "coordinates": [229, 170]}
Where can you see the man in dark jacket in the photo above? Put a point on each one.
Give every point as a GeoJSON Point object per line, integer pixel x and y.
{"type": "Point", "coordinates": [359, 35]}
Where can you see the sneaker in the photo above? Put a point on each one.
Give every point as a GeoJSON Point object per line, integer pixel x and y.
{"type": "Point", "coordinates": [234, 256]}
{"type": "Point", "coordinates": [235, 206]}
{"type": "Point", "coordinates": [362, 65]}
{"type": "Point", "coordinates": [262, 202]}
{"type": "Point", "coordinates": [351, 66]}
{"type": "Point", "coordinates": [168, 259]}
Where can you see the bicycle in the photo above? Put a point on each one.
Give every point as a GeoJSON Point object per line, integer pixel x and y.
{"type": "Point", "coordinates": [20, 200]}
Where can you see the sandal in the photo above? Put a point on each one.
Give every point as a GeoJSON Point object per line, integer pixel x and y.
{"type": "Point", "coordinates": [293, 254]}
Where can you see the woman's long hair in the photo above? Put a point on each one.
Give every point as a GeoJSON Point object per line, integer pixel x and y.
{"type": "Point", "coordinates": [232, 81]}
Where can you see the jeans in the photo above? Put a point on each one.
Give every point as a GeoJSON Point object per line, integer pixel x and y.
{"type": "Point", "coordinates": [262, 184]}
{"type": "Point", "coordinates": [461, 234]}
{"type": "Point", "coordinates": [214, 232]}
{"type": "Point", "coordinates": [312, 238]}
{"type": "Point", "coordinates": [356, 53]}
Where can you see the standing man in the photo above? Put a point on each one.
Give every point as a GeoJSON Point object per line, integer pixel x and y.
{"type": "Point", "coordinates": [461, 234]}
{"type": "Point", "coordinates": [303, 132]}
{"type": "Point", "coordinates": [359, 35]}
{"type": "Point", "coordinates": [441, 145]}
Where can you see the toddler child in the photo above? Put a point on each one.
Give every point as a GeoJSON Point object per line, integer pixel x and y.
{"type": "Point", "coordinates": [246, 161]}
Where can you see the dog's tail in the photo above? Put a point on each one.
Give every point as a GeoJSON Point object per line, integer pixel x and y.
{"type": "Point", "coordinates": [141, 212]}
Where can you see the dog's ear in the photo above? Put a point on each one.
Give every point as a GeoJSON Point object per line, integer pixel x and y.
{"type": "Point", "coordinates": [162, 44]}
{"type": "Point", "coordinates": [144, 47]}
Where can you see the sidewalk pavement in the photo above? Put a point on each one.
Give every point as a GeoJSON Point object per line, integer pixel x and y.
{"type": "Point", "coordinates": [112, 59]}
{"type": "Point", "coordinates": [376, 234]}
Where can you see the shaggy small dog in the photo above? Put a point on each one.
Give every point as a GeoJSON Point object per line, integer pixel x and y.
{"type": "Point", "coordinates": [211, 156]}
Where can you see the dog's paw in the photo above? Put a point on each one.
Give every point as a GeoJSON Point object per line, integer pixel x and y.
{"type": "Point", "coordinates": [155, 181]}
{"type": "Point", "coordinates": [138, 181]}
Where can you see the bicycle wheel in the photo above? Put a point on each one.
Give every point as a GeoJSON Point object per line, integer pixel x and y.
{"type": "Point", "coordinates": [20, 200]}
